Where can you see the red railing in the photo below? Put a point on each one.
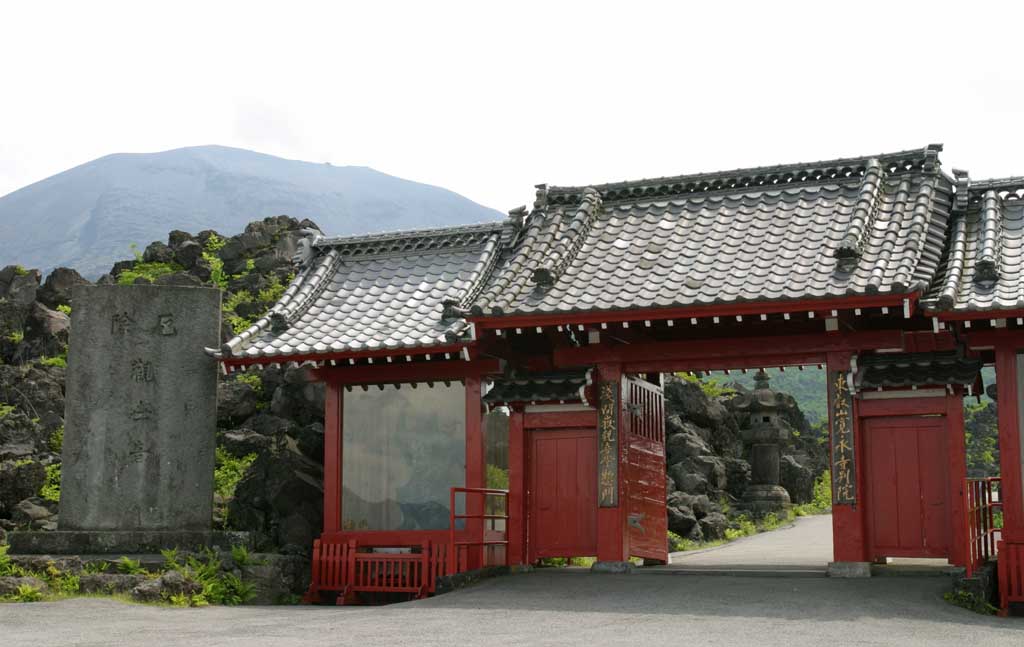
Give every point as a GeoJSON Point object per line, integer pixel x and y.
{"type": "Point", "coordinates": [981, 499]}
{"type": "Point", "coordinates": [1011, 575]}
{"type": "Point", "coordinates": [410, 561]}
{"type": "Point", "coordinates": [492, 539]}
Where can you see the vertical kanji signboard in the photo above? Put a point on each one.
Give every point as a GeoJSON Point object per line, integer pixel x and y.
{"type": "Point", "coordinates": [608, 445]}
{"type": "Point", "coordinates": [844, 471]}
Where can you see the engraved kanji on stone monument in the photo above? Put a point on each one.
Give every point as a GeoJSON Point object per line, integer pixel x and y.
{"type": "Point", "coordinates": [140, 409]}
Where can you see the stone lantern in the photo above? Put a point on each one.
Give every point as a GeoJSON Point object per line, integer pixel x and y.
{"type": "Point", "coordinates": [764, 431]}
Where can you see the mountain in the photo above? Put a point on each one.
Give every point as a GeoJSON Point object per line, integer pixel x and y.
{"type": "Point", "coordinates": [88, 217]}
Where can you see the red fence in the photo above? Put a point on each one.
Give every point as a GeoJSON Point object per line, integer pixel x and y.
{"type": "Point", "coordinates": [1011, 575]}
{"type": "Point", "coordinates": [407, 561]}
{"type": "Point", "coordinates": [490, 531]}
{"type": "Point", "coordinates": [981, 501]}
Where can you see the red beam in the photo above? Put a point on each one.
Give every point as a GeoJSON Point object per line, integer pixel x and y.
{"type": "Point", "coordinates": [416, 372]}
{"type": "Point", "coordinates": [722, 364]}
{"type": "Point", "coordinates": [993, 337]}
{"type": "Point", "coordinates": [723, 310]}
{"type": "Point", "coordinates": [739, 350]}
{"type": "Point", "coordinates": [974, 315]}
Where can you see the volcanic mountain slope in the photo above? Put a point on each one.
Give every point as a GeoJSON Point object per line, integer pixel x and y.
{"type": "Point", "coordinates": [89, 216]}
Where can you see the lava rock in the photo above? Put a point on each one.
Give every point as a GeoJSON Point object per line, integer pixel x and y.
{"type": "Point", "coordinates": [109, 583]}
{"type": "Point", "coordinates": [242, 442]}
{"type": "Point", "coordinates": [280, 500]}
{"type": "Point", "coordinates": [18, 483]}
{"type": "Point", "coordinates": [797, 479]}
{"type": "Point", "coordinates": [713, 526]}
{"type": "Point", "coordinates": [236, 401]}
{"type": "Point", "coordinates": [157, 252]}
{"type": "Point", "coordinates": [57, 288]}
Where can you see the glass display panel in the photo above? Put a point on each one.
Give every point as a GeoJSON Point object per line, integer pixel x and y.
{"type": "Point", "coordinates": [403, 449]}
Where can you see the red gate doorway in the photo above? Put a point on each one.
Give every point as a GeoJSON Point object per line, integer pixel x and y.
{"type": "Point", "coordinates": [908, 486]}
{"type": "Point", "coordinates": [562, 494]}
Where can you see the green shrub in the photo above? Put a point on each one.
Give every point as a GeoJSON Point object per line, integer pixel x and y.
{"type": "Point", "coordinates": [252, 379]}
{"type": "Point", "coordinates": [54, 361]}
{"type": "Point", "coordinates": [170, 556]}
{"type": "Point", "coordinates": [130, 566]}
{"type": "Point", "coordinates": [56, 440]}
{"type": "Point", "coordinates": [822, 497]}
{"type": "Point", "coordinates": [240, 555]}
{"type": "Point", "coordinates": [27, 593]}
{"type": "Point", "coordinates": [217, 275]}
{"type": "Point", "coordinates": [970, 601]}
{"type": "Point", "coordinates": [742, 526]}
{"type": "Point", "coordinates": [273, 292]}
{"type": "Point", "coordinates": [5, 410]}
{"type": "Point", "coordinates": [94, 568]}
{"type": "Point", "coordinates": [711, 387]}
{"type": "Point", "coordinates": [148, 271]}
{"type": "Point", "coordinates": [7, 567]}
{"type": "Point", "coordinates": [230, 590]}
{"type": "Point", "coordinates": [66, 309]}
{"type": "Point", "coordinates": [229, 471]}
{"type": "Point", "coordinates": [51, 487]}
{"type": "Point", "coordinates": [16, 337]}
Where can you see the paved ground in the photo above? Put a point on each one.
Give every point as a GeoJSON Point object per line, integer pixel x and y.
{"type": "Point", "coordinates": [566, 607]}
{"type": "Point", "coordinates": [805, 545]}
{"type": "Point", "coordinates": [549, 608]}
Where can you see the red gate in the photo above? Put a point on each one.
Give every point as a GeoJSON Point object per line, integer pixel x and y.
{"type": "Point", "coordinates": [908, 486]}
{"type": "Point", "coordinates": [645, 471]}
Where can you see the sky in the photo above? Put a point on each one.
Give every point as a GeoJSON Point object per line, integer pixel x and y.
{"type": "Point", "coordinates": [490, 98]}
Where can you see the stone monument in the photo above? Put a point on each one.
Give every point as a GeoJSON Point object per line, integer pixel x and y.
{"type": "Point", "coordinates": [764, 430]}
{"type": "Point", "coordinates": [140, 423]}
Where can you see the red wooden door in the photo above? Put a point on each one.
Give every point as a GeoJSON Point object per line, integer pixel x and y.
{"type": "Point", "coordinates": [907, 485]}
{"type": "Point", "coordinates": [562, 496]}
{"type": "Point", "coordinates": [647, 518]}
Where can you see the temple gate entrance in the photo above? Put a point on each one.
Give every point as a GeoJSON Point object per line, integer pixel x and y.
{"type": "Point", "coordinates": [908, 486]}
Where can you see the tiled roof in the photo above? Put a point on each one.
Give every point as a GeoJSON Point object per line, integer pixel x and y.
{"type": "Point", "coordinates": [551, 387]}
{"type": "Point", "coordinates": [915, 369]}
{"type": "Point", "coordinates": [380, 292]}
{"type": "Point", "coordinates": [872, 225]}
{"type": "Point", "coordinates": [983, 272]}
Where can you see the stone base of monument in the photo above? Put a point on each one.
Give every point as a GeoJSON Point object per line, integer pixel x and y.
{"type": "Point", "coordinates": [762, 499]}
{"type": "Point", "coordinates": [122, 542]}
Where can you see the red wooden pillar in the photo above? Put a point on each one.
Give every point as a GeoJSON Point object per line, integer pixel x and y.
{"type": "Point", "coordinates": [475, 469]}
{"type": "Point", "coordinates": [612, 530]}
{"type": "Point", "coordinates": [516, 489]}
{"type": "Point", "coordinates": [1008, 407]}
{"type": "Point", "coordinates": [333, 447]}
{"type": "Point", "coordinates": [957, 473]}
{"type": "Point", "coordinates": [849, 531]}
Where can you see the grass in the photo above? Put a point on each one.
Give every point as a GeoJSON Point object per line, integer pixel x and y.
{"type": "Point", "coordinates": [970, 601]}
{"type": "Point", "coordinates": [128, 566]}
{"type": "Point", "coordinates": [56, 440]}
{"type": "Point", "coordinates": [6, 410]}
{"type": "Point", "coordinates": [16, 337]}
{"type": "Point", "coordinates": [59, 360]}
{"type": "Point", "coordinates": [822, 497]}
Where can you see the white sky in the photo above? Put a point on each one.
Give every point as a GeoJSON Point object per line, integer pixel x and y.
{"type": "Point", "coordinates": [488, 98]}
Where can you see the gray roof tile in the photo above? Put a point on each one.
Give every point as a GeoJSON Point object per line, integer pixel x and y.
{"type": "Point", "coordinates": [982, 267]}
{"type": "Point", "coordinates": [855, 226]}
{"type": "Point", "coordinates": [369, 293]}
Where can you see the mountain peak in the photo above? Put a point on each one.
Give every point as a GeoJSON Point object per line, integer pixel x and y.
{"type": "Point", "coordinates": [90, 215]}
